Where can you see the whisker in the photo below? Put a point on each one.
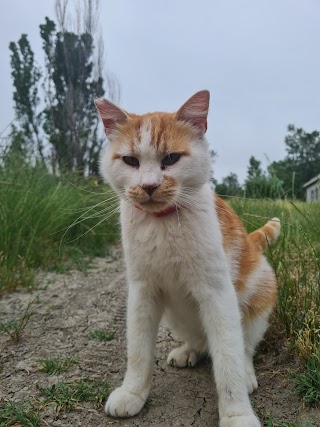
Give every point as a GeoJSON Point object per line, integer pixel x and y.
{"type": "Point", "coordinates": [92, 228]}
{"type": "Point", "coordinates": [75, 210]}
{"type": "Point", "coordinates": [84, 189]}
{"type": "Point", "coordinates": [81, 218]}
{"type": "Point", "coordinates": [190, 202]}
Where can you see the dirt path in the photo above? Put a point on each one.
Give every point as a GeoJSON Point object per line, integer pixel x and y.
{"type": "Point", "coordinates": [71, 305]}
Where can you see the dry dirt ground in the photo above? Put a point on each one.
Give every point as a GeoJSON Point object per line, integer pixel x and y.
{"type": "Point", "coordinates": [71, 305]}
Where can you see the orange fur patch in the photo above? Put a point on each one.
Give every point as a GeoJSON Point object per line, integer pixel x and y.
{"type": "Point", "coordinates": [168, 135]}
{"type": "Point", "coordinates": [164, 192]}
{"type": "Point", "coordinates": [262, 300]}
{"type": "Point", "coordinates": [116, 156]}
{"type": "Point", "coordinates": [248, 250]}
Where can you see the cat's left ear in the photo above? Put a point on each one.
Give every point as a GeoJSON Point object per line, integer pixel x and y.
{"type": "Point", "coordinates": [111, 115]}
{"type": "Point", "coordinates": [195, 111]}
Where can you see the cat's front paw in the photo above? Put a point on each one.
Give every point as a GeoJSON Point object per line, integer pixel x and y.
{"type": "Point", "coordinates": [240, 421]}
{"type": "Point", "coordinates": [123, 403]}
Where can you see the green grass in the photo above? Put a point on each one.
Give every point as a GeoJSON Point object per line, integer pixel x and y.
{"type": "Point", "coordinates": [55, 366]}
{"type": "Point", "coordinates": [36, 211]}
{"type": "Point", "coordinates": [14, 328]}
{"type": "Point", "coordinates": [19, 414]}
{"type": "Point", "coordinates": [307, 384]}
{"type": "Point", "coordinates": [296, 260]}
{"type": "Point", "coordinates": [101, 335]}
{"type": "Point", "coordinates": [271, 422]}
{"type": "Point", "coordinates": [65, 396]}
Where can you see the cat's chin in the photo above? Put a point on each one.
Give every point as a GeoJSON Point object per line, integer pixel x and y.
{"type": "Point", "coordinates": [152, 206]}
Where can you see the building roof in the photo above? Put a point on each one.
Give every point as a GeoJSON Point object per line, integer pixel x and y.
{"type": "Point", "coordinates": [311, 181]}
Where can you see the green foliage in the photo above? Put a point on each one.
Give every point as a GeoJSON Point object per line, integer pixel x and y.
{"type": "Point", "coordinates": [55, 366]}
{"type": "Point", "coordinates": [65, 396]}
{"type": "Point", "coordinates": [284, 178]}
{"type": "Point", "coordinates": [259, 185]}
{"type": "Point", "coordinates": [307, 383]}
{"type": "Point", "coordinates": [47, 220]}
{"type": "Point", "coordinates": [101, 335]}
{"type": "Point", "coordinates": [14, 328]}
{"type": "Point", "coordinates": [26, 76]}
{"type": "Point", "coordinates": [70, 117]}
{"type": "Point", "coordinates": [254, 168]}
{"type": "Point", "coordinates": [229, 186]}
{"type": "Point", "coordinates": [67, 127]}
{"type": "Point", "coordinates": [19, 414]}
{"type": "Point", "coordinates": [301, 163]}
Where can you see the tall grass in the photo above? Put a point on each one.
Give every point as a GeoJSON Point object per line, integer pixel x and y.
{"type": "Point", "coordinates": [296, 260]}
{"type": "Point", "coordinates": [36, 210]}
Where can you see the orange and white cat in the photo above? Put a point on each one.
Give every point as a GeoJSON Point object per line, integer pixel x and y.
{"type": "Point", "coordinates": [188, 258]}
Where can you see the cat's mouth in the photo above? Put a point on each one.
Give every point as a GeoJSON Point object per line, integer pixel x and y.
{"type": "Point", "coordinates": [152, 206]}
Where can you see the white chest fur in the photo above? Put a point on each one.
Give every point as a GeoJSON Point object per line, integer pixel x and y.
{"type": "Point", "coordinates": [173, 247]}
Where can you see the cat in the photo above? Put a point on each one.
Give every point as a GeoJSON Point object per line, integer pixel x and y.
{"type": "Point", "coordinates": [188, 257]}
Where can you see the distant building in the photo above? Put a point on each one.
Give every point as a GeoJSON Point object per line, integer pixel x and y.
{"type": "Point", "coordinates": [313, 189]}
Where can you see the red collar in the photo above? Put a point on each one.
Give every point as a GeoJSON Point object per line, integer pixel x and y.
{"type": "Point", "coordinates": [165, 212]}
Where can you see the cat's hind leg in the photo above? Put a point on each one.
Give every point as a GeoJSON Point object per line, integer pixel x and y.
{"type": "Point", "coordinates": [183, 319]}
{"type": "Point", "coordinates": [254, 330]}
{"type": "Point", "coordinates": [258, 300]}
{"type": "Point", "coordinates": [183, 356]}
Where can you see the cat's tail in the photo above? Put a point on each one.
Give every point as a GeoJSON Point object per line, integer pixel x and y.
{"type": "Point", "coordinates": [267, 234]}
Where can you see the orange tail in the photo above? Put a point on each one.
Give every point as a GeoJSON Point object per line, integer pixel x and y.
{"type": "Point", "coordinates": [267, 234]}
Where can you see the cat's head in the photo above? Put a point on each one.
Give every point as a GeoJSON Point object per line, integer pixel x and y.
{"type": "Point", "coordinates": [156, 160]}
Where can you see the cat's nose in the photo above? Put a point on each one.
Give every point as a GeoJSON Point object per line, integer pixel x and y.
{"type": "Point", "coordinates": [150, 188]}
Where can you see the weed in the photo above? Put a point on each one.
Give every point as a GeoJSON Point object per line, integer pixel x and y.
{"type": "Point", "coordinates": [307, 383]}
{"type": "Point", "coordinates": [270, 421]}
{"type": "Point", "coordinates": [19, 414]}
{"type": "Point", "coordinates": [55, 366]}
{"type": "Point", "coordinates": [66, 395]}
{"type": "Point", "coordinates": [101, 335]}
{"type": "Point", "coordinates": [14, 328]}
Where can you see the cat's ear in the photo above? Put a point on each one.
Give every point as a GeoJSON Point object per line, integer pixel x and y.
{"type": "Point", "coordinates": [110, 114]}
{"type": "Point", "coordinates": [195, 111]}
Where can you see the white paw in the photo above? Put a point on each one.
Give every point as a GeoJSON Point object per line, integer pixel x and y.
{"type": "Point", "coordinates": [181, 357]}
{"type": "Point", "coordinates": [240, 421]}
{"type": "Point", "coordinates": [122, 403]}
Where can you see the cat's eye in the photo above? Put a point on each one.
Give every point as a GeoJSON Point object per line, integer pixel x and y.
{"type": "Point", "coordinates": [131, 161]}
{"type": "Point", "coordinates": [170, 159]}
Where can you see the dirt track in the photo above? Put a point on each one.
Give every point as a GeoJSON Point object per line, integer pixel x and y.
{"type": "Point", "coordinates": [71, 305]}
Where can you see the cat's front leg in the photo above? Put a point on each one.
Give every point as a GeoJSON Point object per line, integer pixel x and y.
{"type": "Point", "coordinates": [221, 320]}
{"type": "Point", "coordinates": [143, 316]}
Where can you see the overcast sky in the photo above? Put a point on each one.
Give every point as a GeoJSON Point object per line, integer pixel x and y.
{"type": "Point", "coordinates": [259, 59]}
